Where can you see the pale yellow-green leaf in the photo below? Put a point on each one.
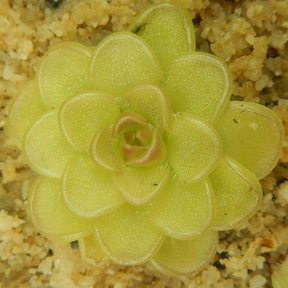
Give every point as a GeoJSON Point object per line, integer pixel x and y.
{"type": "Point", "coordinates": [140, 185]}
{"type": "Point", "coordinates": [90, 249]}
{"type": "Point", "coordinates": [252, 134]}
{"type": "Point", "coordinates": [150, 101]}
{"type": "Point", "coordinates": [50, 215]}
{"type": "Point", "coordinates": [104, 150]}
{"type": "Point", "coordinates": [45, 148]}
{"type": "Point", "coordinates": [279, 276]}
{"type": "Point", "coordinates": [186, 256]}
{"type": "Point", "coordinates": [88, 189]}
{"type": "Point", "coordinates": [199, 84]}
{"type": "Point", "coordinates": [84, 114]}
{"type": "Point", "coordinates": [64, 72]}
{"type": "Point", "coordinates": [183, 211]}
{"type": "Point", "coordinates": [238, 194]}
{"type": "Point", "coordinates": [27, 107]}
{"type": "Point", "coordinates": [193, 147]}
{"type": "Point", "coordinates": [122, 60]}
{"type": "Point", "coordinates": [168, 30]}
{"type": "Point", "coordinates": [126, 236]}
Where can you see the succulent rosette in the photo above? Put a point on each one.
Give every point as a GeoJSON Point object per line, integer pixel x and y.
{"type": "Point", "coordinates": [141, 155]}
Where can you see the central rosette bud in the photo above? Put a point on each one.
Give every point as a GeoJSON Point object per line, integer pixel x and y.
{"type": "Point", "coordinates": [139, 143]}
{"type": "Point", "coordinates": [131, 140]}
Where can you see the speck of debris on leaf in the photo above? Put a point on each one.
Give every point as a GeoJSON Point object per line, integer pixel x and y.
{"type": "Point", "coordinates": [74, 245]}
{"type": "Point", "coordinates": [54, 4]}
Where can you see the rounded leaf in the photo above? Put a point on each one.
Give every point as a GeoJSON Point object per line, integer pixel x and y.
{"type": "Point", "coordinates": [186, 256]}
{"type": "Point", "coordinates": [185, 210]}
{"type": "Point", "coordinates": [193, 147]}
{"type": "Point", "coordinates": [27, 107]}
{"type": "Point", "coordinates": [172, 23]}
{"type": "Point", "coordinates": [45, 148]}
{"type": "Point", "coordinates": [127, 237]}
{"type": "Point", "coordinates": [122, 60]}
{"type": "Point", "coordinates": [84, 114]}
{"type": "Point", "coordinates": [199, 84]}
{"type": "Point", "coordinates": [238, 194]}
{"type": "Point", "coordinates": [104, 152]}
{"type": "Point", "coordinates": [88, 189]}
{"type": "Point", "coordinates": [63, 72]}
{"type": "Point", "coordinates": [50, 215]}
{"type": "Point", "coordinates": [151, 102]}
{"type": "Point", "coordinates": [252, 134]}
{"type": "Point", "coordinates": [141, 185]}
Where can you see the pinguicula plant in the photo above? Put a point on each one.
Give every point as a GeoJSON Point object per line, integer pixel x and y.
{"type": "Point", "coordinates": [141, 155]}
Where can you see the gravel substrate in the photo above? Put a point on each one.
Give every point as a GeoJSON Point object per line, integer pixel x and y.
{"type": "Point", "coordinates": [250, 35]}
